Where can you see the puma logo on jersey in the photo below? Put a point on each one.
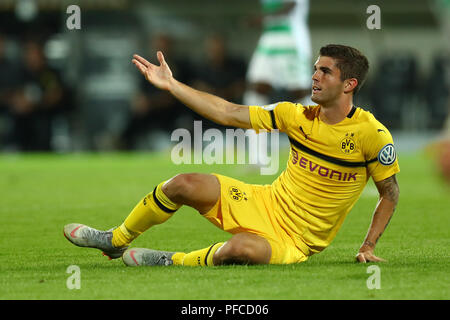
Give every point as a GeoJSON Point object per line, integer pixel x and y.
{"type": "Point", "coordinates": [303, 132]}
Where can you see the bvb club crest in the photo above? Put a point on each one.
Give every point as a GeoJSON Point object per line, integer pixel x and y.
{"type": "Point", "coordinates": [348, 145]}
{"type": "Point", "coordinates": [236, 194]}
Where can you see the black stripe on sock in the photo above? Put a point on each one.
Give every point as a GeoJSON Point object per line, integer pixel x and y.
{"type": "Point", "coordinates": [207, 254]}
{"type": "Point", "coordinates": [160, 205]}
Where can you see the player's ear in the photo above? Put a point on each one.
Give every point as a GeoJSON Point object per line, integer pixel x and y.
{"type": "Point", "coordinates": [350, 84]}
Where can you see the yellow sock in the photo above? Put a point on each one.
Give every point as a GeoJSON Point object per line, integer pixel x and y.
{"type": "Point", "coordinates": [202, 257]}
{"type": "Point", "coordinates": [122, 236]}
{"type": "Point", "coordinates": [154, 209]}
{"type": "Point", "coordinates": [177, 258]}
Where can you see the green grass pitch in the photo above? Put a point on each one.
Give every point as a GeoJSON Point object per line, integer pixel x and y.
{"type": "Point", "coordinates": [39, 194]}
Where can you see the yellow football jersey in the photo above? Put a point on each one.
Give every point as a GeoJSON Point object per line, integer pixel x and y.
{"type": "Point", "coordinates": [328, 168]}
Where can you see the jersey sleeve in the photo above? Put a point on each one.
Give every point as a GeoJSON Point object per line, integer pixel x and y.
{"type": "Point", "coordinates": [273, 116]}
{"type": "Point", "coordinates": [380, 154]}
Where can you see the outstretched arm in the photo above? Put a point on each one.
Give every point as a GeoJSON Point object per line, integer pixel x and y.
{"type": "Point", "coordinates": [389, 192]}
{"type": "Point", "coordinates": [207, 105]}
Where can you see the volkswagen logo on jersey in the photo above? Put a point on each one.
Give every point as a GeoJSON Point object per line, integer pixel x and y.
{"type": "Point", "coordinates": [387, 155]}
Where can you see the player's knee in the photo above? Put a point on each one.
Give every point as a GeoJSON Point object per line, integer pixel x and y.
{"type": "Point", "coordinates": [236, 252]}
{"type": "Point", "coordinates": [241, 251]}
{"type": "Point", "coordinates": [180, 187]}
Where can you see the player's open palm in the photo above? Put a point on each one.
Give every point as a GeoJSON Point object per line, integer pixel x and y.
{"type": "Point", "coordinates": [368, 256]}
{"type": "Point", "coordinates": [159, 76]}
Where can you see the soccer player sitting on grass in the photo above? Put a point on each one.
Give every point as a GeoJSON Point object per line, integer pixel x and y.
{"type": "Point", "coordinates": [335, 148]}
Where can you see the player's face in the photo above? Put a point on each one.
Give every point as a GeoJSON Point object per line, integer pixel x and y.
{"type": "Point", "coordinates": [327, 85]}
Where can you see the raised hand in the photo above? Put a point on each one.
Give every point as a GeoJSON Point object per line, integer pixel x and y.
{"type": "Point", "coordinates": [160, 76]}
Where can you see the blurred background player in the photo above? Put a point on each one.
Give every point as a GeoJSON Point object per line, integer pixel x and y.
{"type": "Point", "coordinates": [9, 81]}
{"type": "Point", "coordinates": [40, 97]}
{"type": "Point", "coordinates": [280, 68]}
{"type": "Point", "coordinates": [281, 62]}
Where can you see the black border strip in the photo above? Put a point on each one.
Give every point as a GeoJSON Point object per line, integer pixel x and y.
{"type": "Point", "coordinates": [270, 308]}
{"type": "Point", "coordinates": [337, 161]}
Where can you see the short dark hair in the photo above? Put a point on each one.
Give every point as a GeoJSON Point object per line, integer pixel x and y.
{"type": "Point", "coordinates": [350, 61]}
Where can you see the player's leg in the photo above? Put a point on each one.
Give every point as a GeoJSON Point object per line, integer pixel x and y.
{"type": "Point", "coordinates": [200, 191]}
{"type": "Point", "coordinates": [197, 190]}
{"type": "Point", "coordinates": [244, 248]}
{"type": "Point", "coordinates": [241, 208]}
{"type": "Point", "coordinates": [246, 211]}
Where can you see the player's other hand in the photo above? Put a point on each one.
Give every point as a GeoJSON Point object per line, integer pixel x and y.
{"type": "Point", "coordinates": [364, 256]}
{"type": "Point", "coordinates": [160, 76]}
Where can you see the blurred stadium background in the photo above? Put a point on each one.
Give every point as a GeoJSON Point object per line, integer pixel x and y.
{"type": "Point", "coordinates": [89, 96]}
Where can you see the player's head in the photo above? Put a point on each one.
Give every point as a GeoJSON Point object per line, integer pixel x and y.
{"type": "Point", "coordinates": [339, 70]}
